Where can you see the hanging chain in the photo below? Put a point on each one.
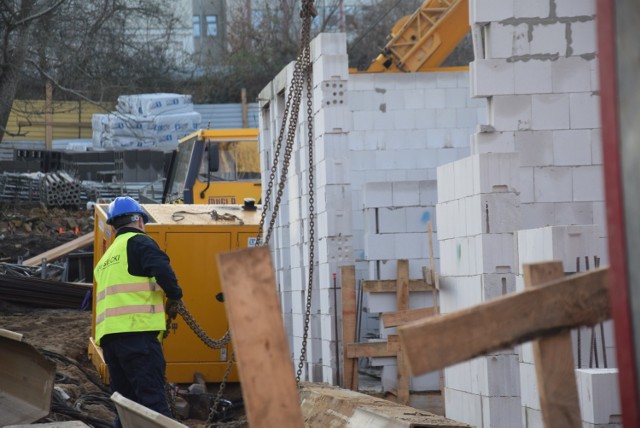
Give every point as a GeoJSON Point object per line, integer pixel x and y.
{"type": "Point", "coordinates": [300, 69]}
{"type": "Point", "coordinates": [301, 73]}
{"type": "Point", "coordinates": [307, 315]}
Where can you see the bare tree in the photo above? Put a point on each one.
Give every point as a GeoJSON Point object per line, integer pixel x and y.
{"type": "Point", "coordinates": [91, 50]}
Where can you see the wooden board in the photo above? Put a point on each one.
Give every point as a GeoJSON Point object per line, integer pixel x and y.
{"type": "Point", "coordinates": [262, 350]}
{"type": "Point", "coordinates": [402, 304]}
{"type": "Point", "coordinates": [389, 285]}
{"type": "Point", "coordinates": [349, 323]}
{"type": "Point", "coordinates": [61, 250]}
{"type": "Point", "coordinates": [374, 349]}
{"type": "Point", "coordinates": [435, 343]}
{"type": "Point", "coordinates": [395, 319]}
{"type": "Point", "coordinates": [553, 357]}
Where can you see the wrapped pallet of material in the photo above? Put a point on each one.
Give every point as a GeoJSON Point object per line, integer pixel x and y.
{"type": "Point", "coordinates": [151, 105]}
{"type": "Point", "coordinates": [146, 121]}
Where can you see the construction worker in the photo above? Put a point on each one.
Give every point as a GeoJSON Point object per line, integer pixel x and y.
{"type": "Point", "coordinates": [132, 276]}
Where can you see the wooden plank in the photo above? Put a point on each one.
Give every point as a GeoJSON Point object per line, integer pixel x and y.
{"type": "Point", "coordinates": [349, 323]}
{"type": "Point", "coordinates": [394, 319]}
{"type": "Point", "coordinates": [435, 281]}
{"type": "Point", "coordinates": [402, 304]}
{"type": "Point", "coordinates": [61, 250]}
{"type": "Point", "coordinates": [553, 357]}
{"type": "Point", "coordinates": [389, 285]}
{"type": "Point", "coordinates": [262, 350]}
{"type": "Point", "coordinates": [435, 343]}
{"type": "Point", "coordinates": [374, 349]}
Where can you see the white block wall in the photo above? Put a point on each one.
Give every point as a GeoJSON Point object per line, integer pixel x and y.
{"type": "Point", "coordinates": [377, 138]}
{"type": "Point", "coordinates": [538, 74]}
{"type": "Point", "coordinates": [477, 216]}
{"type": "Point", "coordinates": [568, 243]}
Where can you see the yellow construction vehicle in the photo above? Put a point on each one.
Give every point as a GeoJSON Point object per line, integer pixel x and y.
{"type": "Point", "coordinates": [215, 166]}
{"type": "Point", "coordinates": [423, 40]}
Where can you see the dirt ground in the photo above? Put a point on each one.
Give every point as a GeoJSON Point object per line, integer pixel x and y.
{"type": "Point", "coordinates": [62, 335]}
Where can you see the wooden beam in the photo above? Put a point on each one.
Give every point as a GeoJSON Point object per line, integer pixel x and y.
{"type": "Point", "coordinates": [402, 304]}
{"type": "Point", "coordinates": [553, 357]}
{"type": "Point", "coordinates": [61, 250]}
{"type": "Point", "coordinates": [349, 322]}
{"type": "Point", "coordinates": [394, 319]}
{"type": "Point", "coordinates": [262, 350]}
{"type": "Point", "coordinates": [435, 343]}
{"type": "Point", "coordinates": [389, 285]}
{"type": "Point", "coordinates": [374, 349]}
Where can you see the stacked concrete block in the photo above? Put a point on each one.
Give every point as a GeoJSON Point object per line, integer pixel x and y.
{"type": "Point", "coordinates": [569, 244]}
{"type": "Point", "coordinates": [599, 398]}
{"type": "Point", "coordinates": [538, 75]}
{"type": "Point", "coordinates": [477, 216]}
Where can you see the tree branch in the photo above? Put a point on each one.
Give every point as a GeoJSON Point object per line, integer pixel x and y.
{"type": "Point", "coordinates": [40, 14]}
{"type": "Point", "coordinates": [65, 89]}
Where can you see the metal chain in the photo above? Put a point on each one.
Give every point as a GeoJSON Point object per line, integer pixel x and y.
{"type": "Point", "coordinates": [181, 309]}
{"type": "Point", "coordinates": [294, 96]}
{"type": "Point", "coordinates": [307, 317]}
{"type": "Point", "coordinates": [302, 71]}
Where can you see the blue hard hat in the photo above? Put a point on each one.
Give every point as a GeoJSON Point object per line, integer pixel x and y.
{"type": "Point", "coordinates": [125, 205]}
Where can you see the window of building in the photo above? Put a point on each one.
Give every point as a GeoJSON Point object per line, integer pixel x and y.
{"type": "Point", "coordinates": [212, 25]}
{"type": "Point", "coordinates": [196, 26]}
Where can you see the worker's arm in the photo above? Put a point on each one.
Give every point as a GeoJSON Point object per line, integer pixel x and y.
{"type": "Point", "coordinates": [147, 259]}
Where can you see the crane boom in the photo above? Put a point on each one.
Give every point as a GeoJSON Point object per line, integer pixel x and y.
{"type": "Point", "coordinates": [424, 39]}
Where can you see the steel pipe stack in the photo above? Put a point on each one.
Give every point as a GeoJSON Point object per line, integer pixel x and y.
{"type": "Point", "coordinates": [59, 189]}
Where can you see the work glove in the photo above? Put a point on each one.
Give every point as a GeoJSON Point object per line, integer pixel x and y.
{"type": "Point", "coordinates": [172, 307]}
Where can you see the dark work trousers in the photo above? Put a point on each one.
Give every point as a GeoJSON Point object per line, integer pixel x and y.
{"type": "Point", "coordinates": [137, 369]}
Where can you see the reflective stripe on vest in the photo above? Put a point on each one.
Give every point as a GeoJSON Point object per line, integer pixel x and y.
{"type": "Point", "coordinates": [124, 302]}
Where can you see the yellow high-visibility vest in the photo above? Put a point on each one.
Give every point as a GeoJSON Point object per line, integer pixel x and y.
{"type": "Point", "coordinates": [125, 303]}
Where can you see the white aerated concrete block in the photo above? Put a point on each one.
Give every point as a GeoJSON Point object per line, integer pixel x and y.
{"type": "Point", "coordinates": [535, 148]}
{"type": "Point", "coordinates": [501, 412]}
{"type": "Point", "coordinates": [490, 77]}
{"type": "Point", "coordinates": [529, 385]}
{"type": "Point", "coordinates": [329, 68]}
{"type": "Point", "coordinates": [550, 111]}
{"type": "Point", "coordinates": [332, 120]}
{"type": "Point", "coordinates": [573, 8]}
{"type": "Point", "coordinates": [572, 74]}
{"type": "Point", "coordinates": [584, 110]}
{"type": "Point", "coordinates": [588, 183]}
{"type": "Point", "coordinates": [495, 172]}
{"type": "Point", "coordinates": [492, 213]}
{"type": "Point", "coordinates": [446, 182]}
{"type": "Point", "coordinates": [490, 10]}
{"type": "Point", "coordinates": [583, 38]}
{"type": "Point", "coordinates": [379, 247]}
{"type": "Point", "coordinates": [463, 406]}
{"type": "Point", "coordinates": [599, 397]}
{"type": "Point", "coordinates": [541, 84]}
{"type": "Point", "coordinates": [377, 195]}
{"type": "Point", "coordinates": [501, 40]}
{"type": "Point", "coordinates": [328, 44]}
{"type": "Point", "coordinates": [496, 285]}
{"type": "Point", "coordinates": [572, 147]}
{"type": "Point", "coordinates": [564, 243]}
{"type": "Point", "coordinates": [553, 184]}
{"type": "Point", "coordinates": [511, 112]}
{"type": "Point", "coordinates": [493, 142]}
{"type": "Point", "coordinates": [458, 292]}
{"type": "Point", "coordinates": [549, 39]}
{"type": "Point", "coordinates": [531, 9]}
{"type": "Point", "coordinates": [532, 418]}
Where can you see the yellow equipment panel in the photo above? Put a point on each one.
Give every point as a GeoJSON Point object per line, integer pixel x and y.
{"type": "Point", "coordinates": [192, 236]}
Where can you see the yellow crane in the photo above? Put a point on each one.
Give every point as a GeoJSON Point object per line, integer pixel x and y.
{"type": "Point", "coordinates": [424, 39]}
